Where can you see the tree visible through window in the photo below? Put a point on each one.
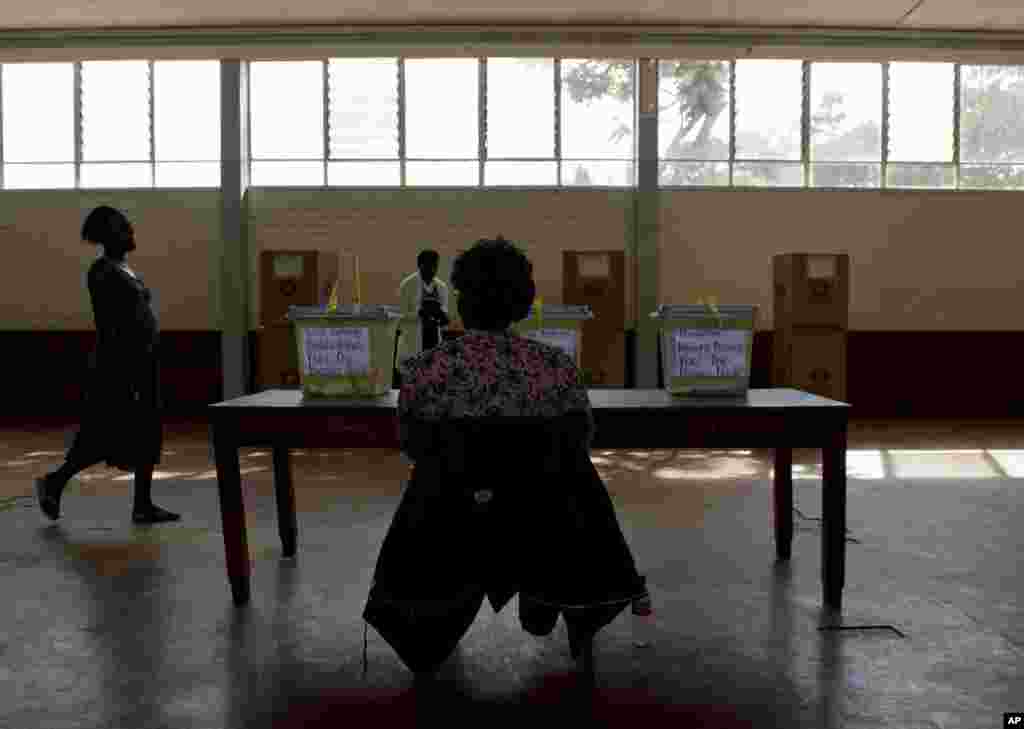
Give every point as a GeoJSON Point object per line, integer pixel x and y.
{"type": "Point", "coordinates": [693, 122]}
{"type": "Point", "coordinates": [598, 107]}
{"type": "Point", "coordinates": [846, 124]}
{"type": "Point", "coordinates": [992, 127]}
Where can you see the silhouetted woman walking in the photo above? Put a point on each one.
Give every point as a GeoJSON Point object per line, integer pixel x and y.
{"type": "Point", "coordinates": [122, 424]}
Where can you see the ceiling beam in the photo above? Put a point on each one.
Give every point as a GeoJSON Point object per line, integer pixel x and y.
{"type": "Point", "coordinates": [565, 40]}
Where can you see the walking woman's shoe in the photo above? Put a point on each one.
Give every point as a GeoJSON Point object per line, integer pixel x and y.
{"type": "Point", "coordinates": [153, 515]}
{"type": "Point", "coordinates": [49, 501]}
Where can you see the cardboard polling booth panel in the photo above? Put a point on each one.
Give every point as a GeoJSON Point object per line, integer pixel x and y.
{"type": "Point", "coordinates": [812, 290]}
{"type": "Point", "coordinates": [294, 278]}
{"type": "Point", "coordinates": [276, 363]}
{"type": "Point", "coordinates": [559, 325]}
{"type": "Point", "coordinates": [347, 352]}
{"type": "Point", "coordinates": [812, 360]}
{"type": "Point", "coordinates": [706, 350]}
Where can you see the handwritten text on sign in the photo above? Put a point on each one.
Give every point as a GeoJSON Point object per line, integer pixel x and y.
{"type": "Point", "coordinates": [332, 352]}
{"type": "Point", "coordinates": [564, 339]}
{"type": "Point", "coordinates": [710, 352]}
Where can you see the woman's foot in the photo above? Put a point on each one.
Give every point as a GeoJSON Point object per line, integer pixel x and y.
{"type": "Point", "coordinates": [48, 496]}
{"type": "Point", "coordinates": [153, 514]}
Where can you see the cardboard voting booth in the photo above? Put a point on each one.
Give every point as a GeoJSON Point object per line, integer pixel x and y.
{"type": "Point", "coordinates": [559, 325]}
{"type": "Point", "coordinates": [706, 350]}
{"type": "Point", "coordinates": [345, 352]}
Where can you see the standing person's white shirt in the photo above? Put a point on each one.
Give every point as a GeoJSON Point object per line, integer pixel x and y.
{"type": "Point", "coordinates": [411, 293]}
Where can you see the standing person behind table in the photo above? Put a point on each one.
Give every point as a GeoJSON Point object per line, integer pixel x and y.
{"type": "Point", "coordinates": [122, 424]}
{"type": "Point", "coordinates": [424, 300]}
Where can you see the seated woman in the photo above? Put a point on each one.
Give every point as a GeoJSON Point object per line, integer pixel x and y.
{"type": "Point", "coordinates": [485, 373]}
{"type": "Point", "coordinates": [488, 371]}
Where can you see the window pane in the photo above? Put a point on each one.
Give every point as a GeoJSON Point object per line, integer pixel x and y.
{"type": "Point", "coordinates": [921, 112]}
{"type": "Point", "coordinates": [286, 106]}
{"type": "Point", "coordinates": [768, 109]}
{"type": "Point", "coordinates": [520, 107]}
{"type": "Point", "coordinates": [364, 174]}
{"type": "Point", "coordinates": [442, 174]}
{"type": "Point", "coordinates": [598, 173]}
{"type": "Point", "coordinates": [270, 174]}
{"type": "Point", "coordinates": [992, 114]}
{"type": "Point", "coordinates": [992, 177]}
{"type": "Point", "coordinates": [846, 112]}
{"type": "Point", "coordinates": [186, 108]}
{"type": "Point", "coordinates": [188, 174]}
{"type": "Point", "coordinates": [597, 109]}
{"type": "Point", "coordinates": [768, 174]}
{"type": "Point", "coordinates": [693, 110]}
{"type": "Point", "coordinates": [846, 174]}
{"type": "Point", "coordinates": [39, 177]}
{"type": "Point", "coordinates": [132, 174]}
{"type": "Point", "coordinates": [363, 107]}
{"type": "Point", "coordinates": [441, 117]}
{"type": "Point", "coordinates": [929, 176]}
{"type": "Point", "coordinates": [521, 173]}
{"type": "Point", "coordinates": [682, 174]}
{"type": "Point", "coordinates": [38, 110]}
{"type": "Point", "coordinates": [115, 111]}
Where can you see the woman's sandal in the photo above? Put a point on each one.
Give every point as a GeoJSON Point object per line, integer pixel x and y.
{"type": "Point", "coordinates": [154, 515]}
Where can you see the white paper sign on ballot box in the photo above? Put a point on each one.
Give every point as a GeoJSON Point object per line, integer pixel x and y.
{"type": "Point", "coordinates": [564, 339]}
{"type": "Point", "coordinates": [336, 351]}
{"type": "Point", "coordinates": [709, 352]}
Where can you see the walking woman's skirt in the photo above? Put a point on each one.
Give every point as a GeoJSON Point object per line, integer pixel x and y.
{"type": "Point", "coordinates": [122, 424]}
{"type": "Point", "coordinates": [556, 542]}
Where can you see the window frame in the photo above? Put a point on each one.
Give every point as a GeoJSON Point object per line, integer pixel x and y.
{"type": "Point", "coordinates": [958, 168]}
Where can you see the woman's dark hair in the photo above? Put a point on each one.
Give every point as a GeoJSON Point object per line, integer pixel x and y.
{"type": "Point", "coordinates": [108, 227]}
{"type": "Point", "coordinates": [494, 280]}
{"type": "Point", "coordinates": [428, 257]}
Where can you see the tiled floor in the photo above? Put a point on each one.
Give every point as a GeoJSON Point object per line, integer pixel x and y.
{"type": "Point", "coordinates": [108, 625]}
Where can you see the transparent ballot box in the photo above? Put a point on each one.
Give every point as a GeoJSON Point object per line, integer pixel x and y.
{"type": "Point", "coordinates": [560, 325]}
{"type": "Point", "coordinates": [706, 350]}
{"type": "Point", "coordinates": [345, 353]}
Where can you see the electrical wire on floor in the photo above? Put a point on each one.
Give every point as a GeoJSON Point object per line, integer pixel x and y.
{"type": "Point", "coordinates": [848, 627]}
{"type": "Point", "coordinates": [818, 519]}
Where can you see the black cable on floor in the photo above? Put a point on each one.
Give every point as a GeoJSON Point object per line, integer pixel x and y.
{"type": "Point", "coordinates": [818, 519]}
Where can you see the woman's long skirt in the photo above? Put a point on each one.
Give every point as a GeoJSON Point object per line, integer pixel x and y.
{"type": "Point", "coordinates": [447, 550]}
{"type": "Point", "coordinates": [122, 424]}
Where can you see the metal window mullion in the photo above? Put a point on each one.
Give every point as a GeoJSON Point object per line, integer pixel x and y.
{"type": "Point", "coordinates": [401, 123]}
{"type": "Point", "coordinates": [482, 116]}
{"type": "Point", "coordinates": [732, 119]}
{"type": "Point", "coordinates": [78, 121]}
{"type": "Point", "coordinates": [805, 123]}
{"type": "Point", "coordinates": [956, 126]}
{"type": "Point", "coordinates": [247, 121]}
{"type": "Point", "coordinates": [2, 164]}
{"type": "Point", "coordinates": [885, 125]}
{"type": "Point", "coordinates": [152, 121]}
{"type": "Point", "coordinates": [558, 121]}
{"type": "Point", "coordinates": [327, 117]}
{"type": "Point", "coordinates": [637, 71]}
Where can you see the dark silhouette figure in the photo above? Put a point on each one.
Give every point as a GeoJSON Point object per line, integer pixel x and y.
{"type": "Point", "coordinates": [122, 422]}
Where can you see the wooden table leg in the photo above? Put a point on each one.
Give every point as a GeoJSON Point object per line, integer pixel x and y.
{"type": "Point", "coordinates": [286, 524]}
{"type": "Point", "coordinates": [232, 512]}
{"type": "Point", "coordinates": [783, 503]}
{"type": "Point", "coordinates": [833, 529]}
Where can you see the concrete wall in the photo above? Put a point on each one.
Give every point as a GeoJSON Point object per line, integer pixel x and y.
{"type": "Point", "coordinates": [44, 277]}
{"type": "Point", "coordinates": [921, 261]}
{"type": "Point", "coordinates": [386, 229]}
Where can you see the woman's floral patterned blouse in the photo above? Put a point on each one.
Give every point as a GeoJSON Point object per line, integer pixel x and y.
{"type": "Point", "coordinates": [489, 374]}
